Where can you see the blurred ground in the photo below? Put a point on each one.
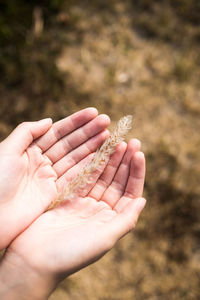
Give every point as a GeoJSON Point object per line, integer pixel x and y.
{"type": "Point", "coordinates": [131, 57]}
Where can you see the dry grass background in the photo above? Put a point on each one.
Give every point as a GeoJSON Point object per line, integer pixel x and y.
{"type": "Point", "coordinates": [131, 57]}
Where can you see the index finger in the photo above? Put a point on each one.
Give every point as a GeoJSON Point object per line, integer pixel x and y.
{"type": "Point", "coordinates": [65, 126]}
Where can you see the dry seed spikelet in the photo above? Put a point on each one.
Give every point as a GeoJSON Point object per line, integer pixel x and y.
{"type": "Point", "coordinates": [99, 160]}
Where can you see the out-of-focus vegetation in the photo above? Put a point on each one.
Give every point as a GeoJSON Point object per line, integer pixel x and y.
{"type": "Point", "coordinates": [172, 21]}
{"type": "Point", "coordinates": [16, 20]}
{"type": "Point", "coordinates": [136, 56]}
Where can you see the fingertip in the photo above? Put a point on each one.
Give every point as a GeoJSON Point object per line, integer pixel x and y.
{"type": "Point", "coordinates": [121, 146]}
{"type": "Point", "coordinates": [105, 119]}
{"type": "Point", "coordinates": [46, 121]}
{"type": "Point", "coordinates": [140, 203]}
{"type": "Point", "coordinates": [135, 144]}
{"type": "Point", "coordinates": [123, 143]}
{"type": "Point", "coordinates": [92, 110]}
{"type": "Point", "coordinates": [41, 127]}
{"type": "Point", "coordinates": [106, 133]}
{"type": "Point", "coordinates": [139, 155]}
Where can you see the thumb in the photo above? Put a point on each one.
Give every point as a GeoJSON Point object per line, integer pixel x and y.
{"type": "Point", "coordinates": [124, 221]}
{"type": "Point", "coordinates": [25, 133]}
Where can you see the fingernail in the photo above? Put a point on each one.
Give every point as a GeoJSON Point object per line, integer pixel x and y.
{"type": "Point", "coordinates": [140, 204]}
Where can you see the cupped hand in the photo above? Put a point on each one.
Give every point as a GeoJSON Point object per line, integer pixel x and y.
{"type": "Point", "coordinates": [78, 232]}
{"type": "Point", "coordinates": [33, 159]}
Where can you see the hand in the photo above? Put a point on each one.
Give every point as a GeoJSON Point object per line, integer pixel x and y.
{"type": "Point", "coordinates": [65, 239]}
{"type": "Point", "coordinates": [35, 158]}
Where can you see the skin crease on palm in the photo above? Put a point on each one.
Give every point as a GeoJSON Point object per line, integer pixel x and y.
{"type": "Point", "coordinates": [75, 234]}
{"type": "Point", "coordinates": [32, 166]}
{"type": "Point", "coordinates": [65, 239]}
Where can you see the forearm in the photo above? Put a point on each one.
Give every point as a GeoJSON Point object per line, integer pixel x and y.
{"type": "Point", "coordinates": [19, 282]}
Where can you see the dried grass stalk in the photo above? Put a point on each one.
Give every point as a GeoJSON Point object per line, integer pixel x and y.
{"type": "Point", "coordinates": [100, 159]}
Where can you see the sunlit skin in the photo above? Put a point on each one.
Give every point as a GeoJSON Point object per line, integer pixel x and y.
{"type": "Point", "coordinates": [78, 232]}
{"type": "Point", "coordinates": [34, 159]}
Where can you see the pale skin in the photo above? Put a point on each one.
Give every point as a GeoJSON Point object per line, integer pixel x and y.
{"type": "Point", "coordinates": [34, 159]}
{"type": "Point", "coordinates": [65, 239]}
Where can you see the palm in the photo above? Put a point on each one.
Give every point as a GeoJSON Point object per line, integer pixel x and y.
{"type": "Point", "coordinates": [60, 231]}
{"type": "Point", "coordinates": [78, 232]}
{"type": "Point", "coordinates": [32, 182]}
{"type": "Point", "coordinates": [34, 176]}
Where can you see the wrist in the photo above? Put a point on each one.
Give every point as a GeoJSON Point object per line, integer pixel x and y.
{"type": "Point", "coordinates": [20, 281]}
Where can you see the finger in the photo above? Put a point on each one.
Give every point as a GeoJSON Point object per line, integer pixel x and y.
{"type": "Point", "coordinates": [76, 138]}
{"type": "Point", "coordinates": [106, 178]}
{"type": "Point", "coordinates": [66, 126]}
{"type": "Point", "coordinates": [134, 188]}
{"type": "Point", "coordinates": [124, 221]}
{"type": "Point", "coordinates": [135, 184]}
{"type": "Point", "coordinates": [133, 144]}
{"type": "Point", "coordinates": [73, 172]}
{"type": "Point", "coordinates": [75, 156]}
{"type": "Point", "coordinates": [117, 187]}
{"type": "Point", "coordinates": [24, 134]}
